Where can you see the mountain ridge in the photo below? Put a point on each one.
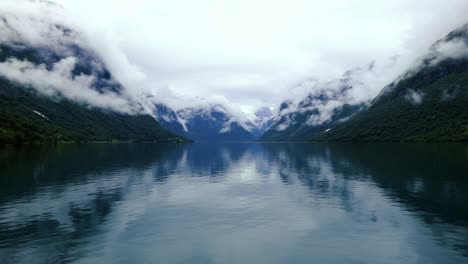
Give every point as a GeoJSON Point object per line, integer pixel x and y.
{"type": "Point", "coordinates": [426, 103]}
{"type": "Point", "coordinates": [49, 94]}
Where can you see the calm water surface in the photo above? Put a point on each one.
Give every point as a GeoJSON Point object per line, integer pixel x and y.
{"type": "Point", "coordinates": [234, 203]}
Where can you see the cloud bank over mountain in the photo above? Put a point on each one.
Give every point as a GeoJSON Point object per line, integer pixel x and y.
{"type": "Point", "coordinates": [245, 54]}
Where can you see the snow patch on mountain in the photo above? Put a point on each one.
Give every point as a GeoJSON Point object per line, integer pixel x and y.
{"type": "Point", "coordinates": [262, 121]}
{"type": "Point", "coordinates": [226, 128]}
{"type": "Point", "coordinates": [211, 111]}
{"type": "Point", "coordinates": [41, 115]}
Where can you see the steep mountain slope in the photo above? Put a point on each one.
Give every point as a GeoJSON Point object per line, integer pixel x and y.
{"type": "Point", "coordinates": [28, 117]}
{"type": "Point", "coordinates": [264, 120]}
{"type": "Point", "coordinates": [86, 62]}
{"type": "Point", "coordinates": [170, 120]}
{"type": "Point", "coordinates": [429, 103]}
{"type": "Point", "coordinates": [319, 111]}
{"type": "Point", "coordinates": [212, 122]}
{"type": "Point", "coordinates": [63, 92]}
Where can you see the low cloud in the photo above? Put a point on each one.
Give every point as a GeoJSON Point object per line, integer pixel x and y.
{"type": "Point", "coordinates": [356, 86]}
{"type": "Point", "coordinates": [361, 85]}
{"type": "Point", "coordinates": [454, 46]}
{"type": "Point", "coordinates": [59, 82]}
{"type": "Point", "coordinates": [22, 27]}
{"type": "Point", "coordinates": [450, 50]}
{"type": "Point", "coordinates": [414, 97]}
{"type": "Point", "coordinates": [204, 106]}
{"type": "Point", "coordinates": [172, 52]}
{"type": "Point", "coordinates": [37, 23]}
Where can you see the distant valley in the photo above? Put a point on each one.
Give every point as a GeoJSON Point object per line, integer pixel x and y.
{"type": "Point", "coordinates": [65, 92]}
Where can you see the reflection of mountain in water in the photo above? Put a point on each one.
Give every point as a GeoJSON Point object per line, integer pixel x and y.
{"type": "Point", "coordinates": [429, 178]}
{"type": "Point", "coordinates": [28, 168]}
{"type": "Point", "coordinates": [65, 193]}
{"type": "Point", "coordinates": [429, 181]}
{"type": "Point", "coordinates": [70, 195]}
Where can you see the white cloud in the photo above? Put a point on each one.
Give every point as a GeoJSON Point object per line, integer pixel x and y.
{"type": "Point", "coordinates": [450, 50]}
{"type": "Point", "coordinates": [59, 81]}
{"type": "Point", "coordinates": [35, 24]}
{"type": "Point", "coordinates": [250, 53]}
{"type": "Point", "coordinates": [414, 97]}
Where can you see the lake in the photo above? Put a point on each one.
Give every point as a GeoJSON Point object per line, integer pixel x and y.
{"type": "Point", "coordinates": [234, 203]}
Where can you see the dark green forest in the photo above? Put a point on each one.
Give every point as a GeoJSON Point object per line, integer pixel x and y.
{"type": "Point", "coordinates": [442, 114]}
{"type": "Point", "coordinates": [68, 121]}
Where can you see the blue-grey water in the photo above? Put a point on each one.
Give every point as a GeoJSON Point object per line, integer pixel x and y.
{"type": "Point", "coordinates": [234, 203]}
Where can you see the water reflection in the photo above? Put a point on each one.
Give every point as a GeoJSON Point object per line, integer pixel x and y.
{"type": "Point", "coordinates": [232, 203]}
{"type": "Point", "coordinates": [427, 181]}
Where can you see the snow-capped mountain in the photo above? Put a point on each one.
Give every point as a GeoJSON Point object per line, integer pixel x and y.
{"type": "Point", "coordinates": [326, 105]}
{"type": "Point", "coordinates": [170, 120]}
{"type": "Point", "coordinates": [208, 122]}
{"type": "Point", "coordinates": [264, 119]}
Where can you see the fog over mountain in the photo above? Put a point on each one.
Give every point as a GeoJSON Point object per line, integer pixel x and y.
{"type": "Point", "coordinates": [244, 55]}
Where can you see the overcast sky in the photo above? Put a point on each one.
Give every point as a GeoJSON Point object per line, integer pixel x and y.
{"type": "Point", "coordinates": [252, 53]}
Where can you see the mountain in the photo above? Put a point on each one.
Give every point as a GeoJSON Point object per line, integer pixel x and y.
{"type": "Point", "coordinates": [264, 119]}
{"type": "Point", "coordinates": [64, 92]}
{"type": "Point", "coordinates": [28, 117]}
{"type": "Point", "coordinates": [170, 120]}
{"type": "Point", "coordinates": [212, 122]}
{"type": "Point", "coordinates": [428, 103]}
{"type": "Point", "coordinates": [319, 111]}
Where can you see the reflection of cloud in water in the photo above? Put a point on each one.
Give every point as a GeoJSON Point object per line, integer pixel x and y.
{"type": "Point", "coordinates": [237, 202]}
{"type": "Point", "coordinates": [426, 181]}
